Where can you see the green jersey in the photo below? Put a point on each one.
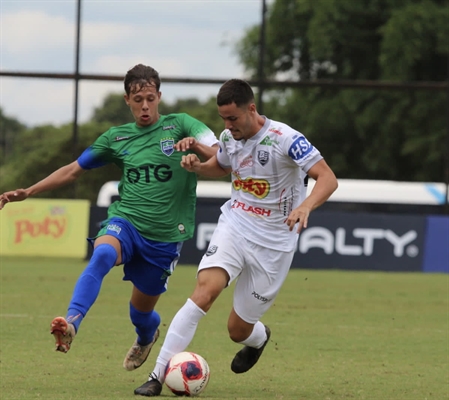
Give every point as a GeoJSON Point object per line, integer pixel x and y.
{"type": "Point", "coordinates": [157, 195]}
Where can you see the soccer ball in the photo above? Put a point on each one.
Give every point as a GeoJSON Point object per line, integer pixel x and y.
{"type": "Point", "coordinates": [187, 374]}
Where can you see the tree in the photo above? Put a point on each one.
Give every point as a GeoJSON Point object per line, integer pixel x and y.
{"type": "Point", "coordinates": [114, 111]}
{"type": "Point", "coordinates": [46, 148]}
{"type": "Point", "coordinates": [10, 131]}
{"type": "Point", "coordinates": [370, 134]}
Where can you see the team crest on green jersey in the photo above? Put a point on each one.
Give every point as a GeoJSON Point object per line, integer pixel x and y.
{"type": "Point", "coordinates": [168, 146]}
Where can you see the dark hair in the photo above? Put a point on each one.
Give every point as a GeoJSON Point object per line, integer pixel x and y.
{"type": "Point", "coordinates": [139, 76]}
{"type": "Point", "coordinates": [235, 91]}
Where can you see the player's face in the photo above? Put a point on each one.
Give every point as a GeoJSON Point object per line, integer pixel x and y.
{"type": "Point", "coordinates": [241, 121]}
{"type": "Point", "coordinates": [143, 102]}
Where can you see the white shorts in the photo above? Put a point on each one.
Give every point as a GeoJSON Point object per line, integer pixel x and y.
{"type": "Point", "coordinates": [260, 271]}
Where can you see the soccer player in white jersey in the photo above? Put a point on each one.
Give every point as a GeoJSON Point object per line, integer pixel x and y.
{"type": "Point", "coordinates": [258, 229]}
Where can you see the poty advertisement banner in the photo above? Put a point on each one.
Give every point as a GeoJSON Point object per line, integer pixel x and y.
{"type": "Point", "coordinates": [45, 227]}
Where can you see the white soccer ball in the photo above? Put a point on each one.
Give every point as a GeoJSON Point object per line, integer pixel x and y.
{"type": "Point", "coordinates": [187, 374]}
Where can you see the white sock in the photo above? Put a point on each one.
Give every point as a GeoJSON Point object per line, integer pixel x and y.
{"type": "Point", "coordinates": [257, 338]}
{"type": "Point", "coordinates": [179, 335]}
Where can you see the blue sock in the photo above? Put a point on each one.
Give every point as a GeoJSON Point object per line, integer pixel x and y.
{"type": "Point", "coordinates": [146, 324]}
{"type": "Point", "coordinates": [89, 283]}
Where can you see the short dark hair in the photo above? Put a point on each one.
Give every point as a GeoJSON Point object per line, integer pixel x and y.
{"type": "Point", "coordinates": [235, 91]}
{"type": "Point", "coordinates": [141, 75]}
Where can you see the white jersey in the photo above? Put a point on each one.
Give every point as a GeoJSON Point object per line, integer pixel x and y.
{"type": "Point", "coordinates": [269, 180]}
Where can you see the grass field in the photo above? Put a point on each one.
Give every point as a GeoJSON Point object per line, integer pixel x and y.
{"type": "Point", "coordinates": [335, 335]}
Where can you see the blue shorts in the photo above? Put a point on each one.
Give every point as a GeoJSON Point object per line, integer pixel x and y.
{"type": "Point", "coordinates": [147, 263]}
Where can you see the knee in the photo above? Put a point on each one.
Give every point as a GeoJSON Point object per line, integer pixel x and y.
{"type": "Point", "coordinates": [103, 257]}
{"type": "Point", "coordinates": [105, 251]}
{"type": "Point", "coordinates": [204, 297]}
{"type": "Point", "coordinates": [210, 283]}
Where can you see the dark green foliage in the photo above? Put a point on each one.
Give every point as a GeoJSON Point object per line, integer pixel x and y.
{"type": "Point", "coordinates": [366, 134]}
{"type": "Point", "coordinates": [10, 130]}
{"type": "Point", "coordinates": [46, 148]}
{"type": "Point", "coordinates": [114, 111]}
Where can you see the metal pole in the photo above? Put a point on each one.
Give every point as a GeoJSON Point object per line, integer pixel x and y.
{"type": "Point", "coordinates": [76, 81]}
{"type": "Point", "coordinates": [261, 75]}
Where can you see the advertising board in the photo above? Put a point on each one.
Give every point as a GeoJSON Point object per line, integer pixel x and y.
{"type": "Point", "coordinates": [45, 227]}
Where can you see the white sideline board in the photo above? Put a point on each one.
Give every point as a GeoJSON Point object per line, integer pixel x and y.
{"type": "Point", "coordinates": [349, 190]}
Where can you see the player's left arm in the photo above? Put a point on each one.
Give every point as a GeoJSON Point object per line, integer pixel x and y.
{"type": "Point", "coordinates": [326, 184]}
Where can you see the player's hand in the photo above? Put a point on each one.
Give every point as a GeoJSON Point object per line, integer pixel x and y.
{"type": "Point", "coordinates": [299, 215]}
{"type": "Point", "coordinates": [13, 195]}
{"type": "Point", "coordinates": [188, 143]}
{"type": "Point", "coordinates": [191, 163]}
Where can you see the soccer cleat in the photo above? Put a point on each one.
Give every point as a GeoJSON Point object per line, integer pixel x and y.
{"type": "Point", "coordinates": [245, 359]}
{"type": "Point", "coordinates": [63, 332]}
{"type": "Point", "coordinates": [151, 388]}
{"type": "Point", "coordinates": [138, 354]}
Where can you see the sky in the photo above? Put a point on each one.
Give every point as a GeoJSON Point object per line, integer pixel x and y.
{"type": "Point", "coordinates": [183, 38]}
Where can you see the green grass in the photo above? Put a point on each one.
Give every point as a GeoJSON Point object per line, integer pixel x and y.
{"type": "Point", "coordinates": [335, 335]}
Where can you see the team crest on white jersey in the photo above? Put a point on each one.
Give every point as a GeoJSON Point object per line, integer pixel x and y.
{"type": "Point", "coordinates": [168, 146]}
{"type": "Point", "coordinates": [263, 157]}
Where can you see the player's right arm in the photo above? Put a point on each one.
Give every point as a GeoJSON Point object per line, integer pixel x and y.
{"type": "Point", "coordinates": [94, 156]}
{"type": "Point", "coordinates": [60, 177]}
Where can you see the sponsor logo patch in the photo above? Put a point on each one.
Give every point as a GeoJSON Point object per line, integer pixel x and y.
{"type": "Point", "coordinates": [249, 208]}
{"type": "Point", "coordinates": [118, 138]}
{"type": "Point", "coordinates": [276, 131]}
{"type": "Point", "coordinates": [266, 141]}
{"type": "Point", "coordinates": [257, 187]}
{"type": "Point", "coordinates": [247, 162]}
{"type": "Point", "coordinates": [165, 274]}
{"type": "Point", "coordinates": [300, 148]}
{"type": "Point", "coordinates": [259, 297]}
{"type": "Point", "coordinates": [114, 228]}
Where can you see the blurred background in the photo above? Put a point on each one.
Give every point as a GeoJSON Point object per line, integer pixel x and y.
{"type": "Point", "coordinates": [366, 81]}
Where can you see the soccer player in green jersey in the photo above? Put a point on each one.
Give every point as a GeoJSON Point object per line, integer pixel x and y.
{"type": "Point", "coordinates": [146, 228]}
